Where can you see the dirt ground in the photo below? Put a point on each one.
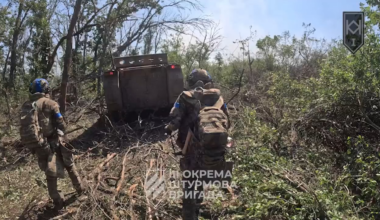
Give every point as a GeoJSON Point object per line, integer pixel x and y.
{"type": "Point", "coordinates": [115, 162]}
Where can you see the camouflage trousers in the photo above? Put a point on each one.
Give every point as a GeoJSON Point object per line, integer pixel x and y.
{"type": "Point", "coordinates": [66, 156]}
{"type": "Point", "coordinates": [191, 204]}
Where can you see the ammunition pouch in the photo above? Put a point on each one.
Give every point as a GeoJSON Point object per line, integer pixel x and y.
{"type": "Point", "coordinates": [55, 167]}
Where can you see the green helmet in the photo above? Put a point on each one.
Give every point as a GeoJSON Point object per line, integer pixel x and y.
{"type": "Point", "coordinates": [39, 85]}
{"type": "Point", "coordinates": [198, 76]}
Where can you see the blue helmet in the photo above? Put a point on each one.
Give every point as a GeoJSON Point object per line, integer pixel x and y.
{"type": "Point", "coordinates": [39, 85]}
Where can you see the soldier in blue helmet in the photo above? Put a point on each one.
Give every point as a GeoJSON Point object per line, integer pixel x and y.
{"type": "Point", "coordinates": [42, 126]}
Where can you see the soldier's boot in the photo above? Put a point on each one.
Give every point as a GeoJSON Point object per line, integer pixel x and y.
{"type": "Point", "coordinates": [189, 209]}
{"type": "Point", "coordinates": [57, 198]}
{"type": "Point", "coordinates": [188, 201]}
{"type": "Point", "coordinates": [75, 179]}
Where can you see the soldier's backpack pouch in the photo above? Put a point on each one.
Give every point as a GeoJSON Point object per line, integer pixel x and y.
{"type": "Point", "coordinates": [55, 166]}
{"type": "Point", "coordinates": [212, 126]}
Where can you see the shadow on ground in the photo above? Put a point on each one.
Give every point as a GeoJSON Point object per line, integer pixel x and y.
{"type": "Point", "coordinates": [42, 211]}
{"type": "Point", "coordinates": [115, 134]}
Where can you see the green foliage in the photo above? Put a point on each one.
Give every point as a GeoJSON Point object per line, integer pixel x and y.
{"type": "Point", "coordinates": [308, 132]}
{"type": "Point", "coordinates": [41, 41]}
{"type": "Point", "coordinates": [271, 185]}
{"type": "Point", "coordinates": [308, 125]}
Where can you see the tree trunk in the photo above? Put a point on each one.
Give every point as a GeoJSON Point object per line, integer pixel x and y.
{"type": "Point", "coordinates": [68, 56]}
{"type": "Point", "coordinates": [16, 32]}
{"type": "Point", "coordinates": [6, 65]}
{"type": "Point", "coordinates": [101, 64]}
{"type": "Point", "coordinates": [252, 75]}
{"type": "Point", "coordinates": [105, 35]}
{"type": "Point", "coordinates": [76, 63]}
{"type": "Point", "coordinates": [84, 61]}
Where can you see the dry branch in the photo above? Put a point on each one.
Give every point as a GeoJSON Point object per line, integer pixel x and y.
{"type": "Point", "coordinates": [75, 129]}
{"type": "Point", "coordinates": [119, 184]}
{"type": "Point", "coordinates": [240, 81]}
{"type": "Point", "coordinates": [80, 31]}
{"type": "Point", "coordinates": [85, 153]}
{"type": "Point", "coordinates": [96, 173]}
{"type": "Point", "coordinates": [149, 211]}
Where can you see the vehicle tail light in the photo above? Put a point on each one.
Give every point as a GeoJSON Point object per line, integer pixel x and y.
{"type": "Point", "coordinates": [172, 66]}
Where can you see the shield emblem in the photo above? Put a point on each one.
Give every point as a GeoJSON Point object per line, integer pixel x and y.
{"type": "Point", "coordinates": [353, 30]}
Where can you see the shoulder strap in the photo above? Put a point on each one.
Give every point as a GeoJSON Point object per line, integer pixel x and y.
{"type": "Point", "coordinates": [35, 115]}
{"type": "Point", "coordinates": [34, 106]}
{"type": "Point", "coordinates": [187, 93]}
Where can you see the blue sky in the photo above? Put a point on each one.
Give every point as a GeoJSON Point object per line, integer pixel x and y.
{"type": "Point", "coordinates": [270, 17]}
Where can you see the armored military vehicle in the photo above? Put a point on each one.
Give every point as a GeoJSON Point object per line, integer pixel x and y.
{"type": "Point", "coordinates": [138, 83]}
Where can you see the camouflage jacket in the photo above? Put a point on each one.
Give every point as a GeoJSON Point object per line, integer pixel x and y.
{"type": "Point", "coordinates": [49, 115]}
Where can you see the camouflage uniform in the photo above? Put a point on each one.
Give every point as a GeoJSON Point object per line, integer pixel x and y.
{"type": "Point", "coordinates": [185, 110]}
{"type": "Point", "coordinates": [184, 116]}
{"type": "Point", "coordinates": [50, 119]}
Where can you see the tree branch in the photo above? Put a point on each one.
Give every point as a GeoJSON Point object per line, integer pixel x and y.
{"type": "Point", "coordinates": [80, 31]}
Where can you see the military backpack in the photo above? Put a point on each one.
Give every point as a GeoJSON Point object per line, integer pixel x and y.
{"type": "Point", "coordinates": [212, 127]}
{"type": "Point", "coordinates": [30, 131]}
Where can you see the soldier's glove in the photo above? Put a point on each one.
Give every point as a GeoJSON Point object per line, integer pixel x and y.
{"type": "Point", "coordinates": [47, 147]}
{"type": "Point", "coordinates": [60, 133]}
{"type": "Point", "coordinates": [168, 129]}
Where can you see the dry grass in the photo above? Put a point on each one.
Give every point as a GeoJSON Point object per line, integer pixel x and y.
{"type": "Point", "coordinates": [114, 161]}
